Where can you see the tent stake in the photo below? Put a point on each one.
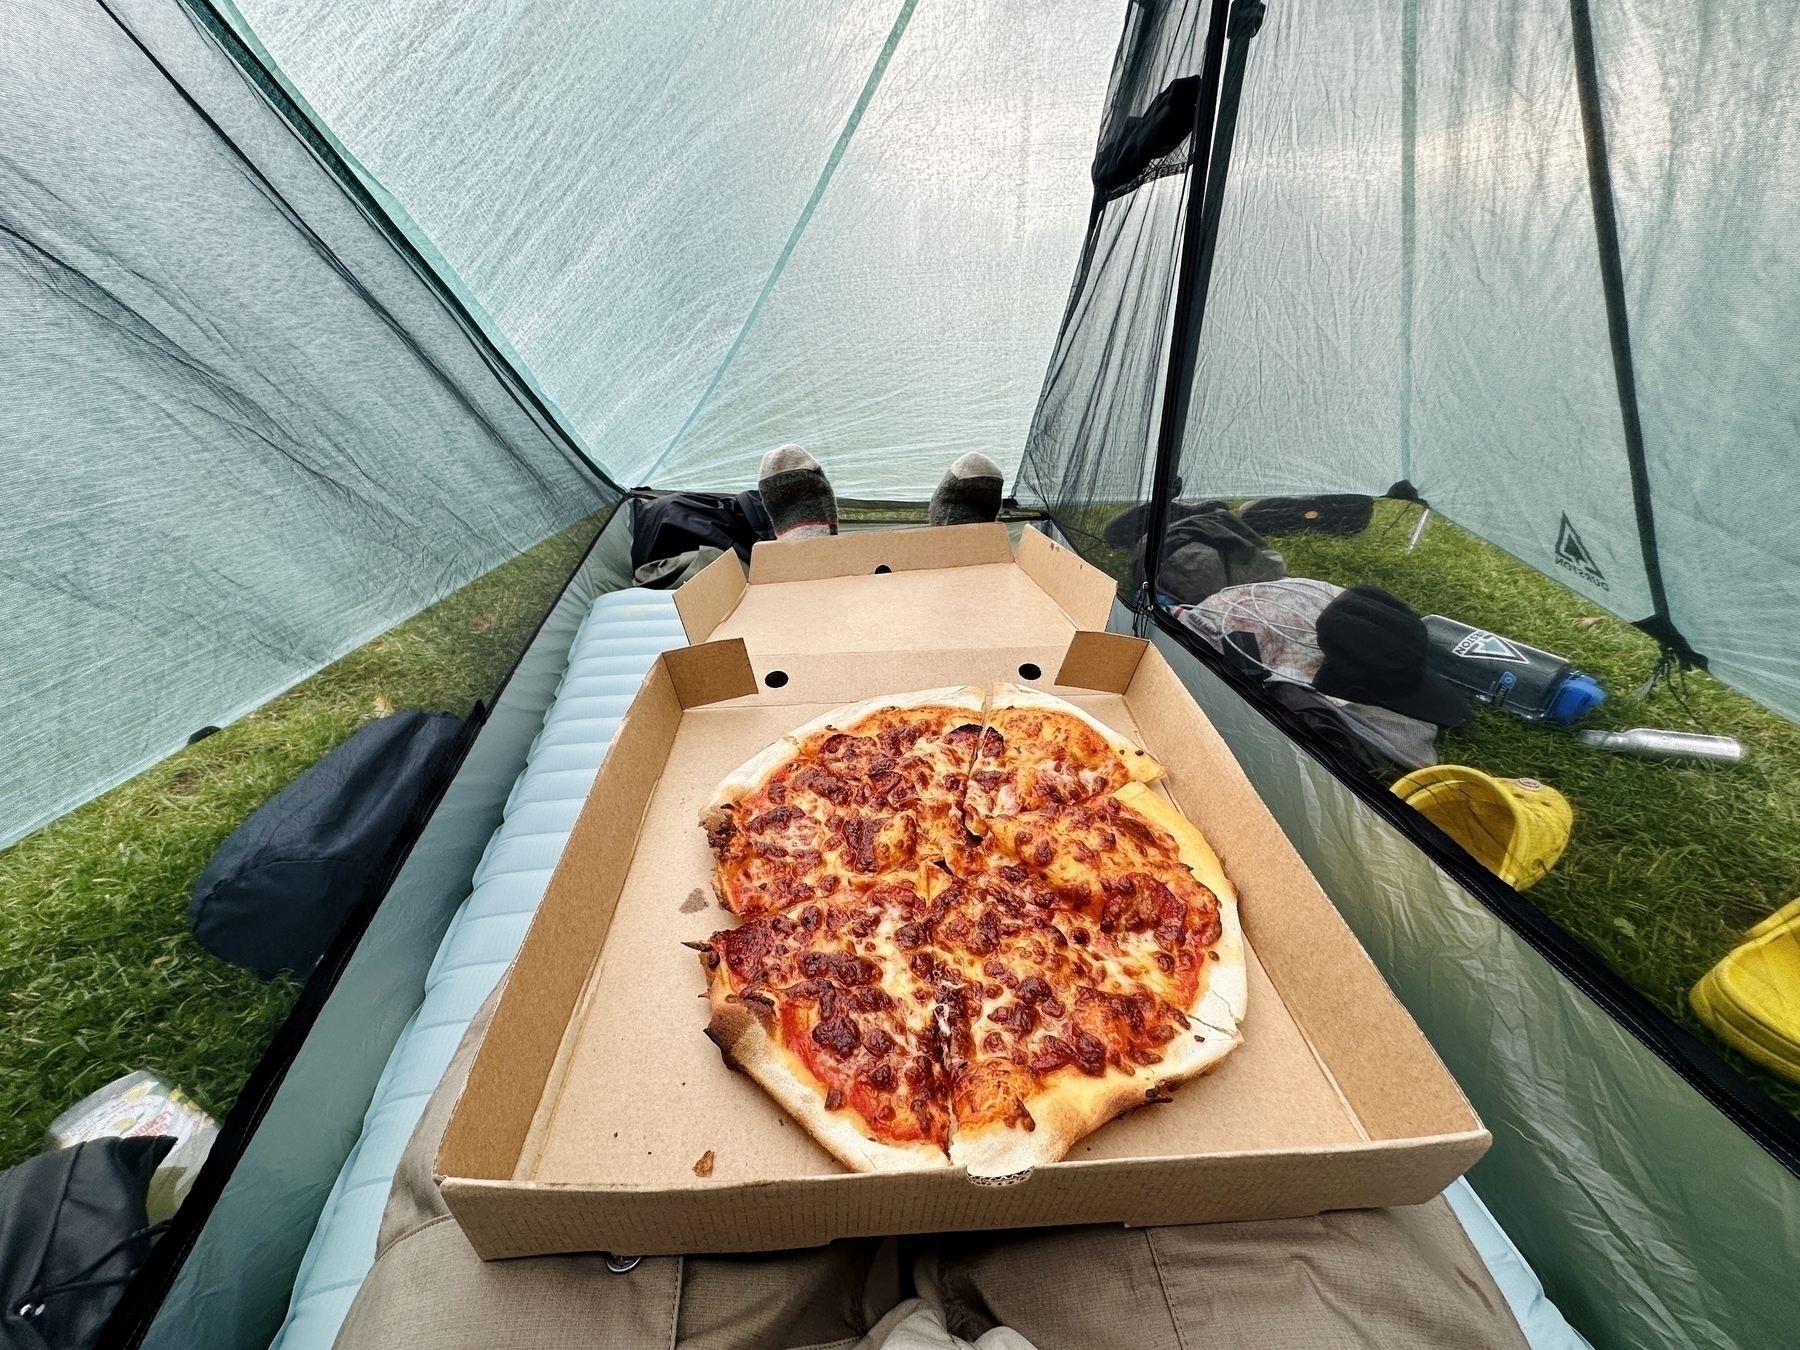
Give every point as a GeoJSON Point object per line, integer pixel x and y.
{"type": "Point", "coordinates": [1418, 532]}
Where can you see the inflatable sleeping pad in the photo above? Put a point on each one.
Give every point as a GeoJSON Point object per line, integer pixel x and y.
{"type": "Point", "coordinates": [623, 634]}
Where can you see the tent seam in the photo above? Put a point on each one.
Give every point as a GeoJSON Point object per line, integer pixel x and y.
{"type": "Point", "coordinates": [1661, 625]}
{"type": "Point", "coordinates": [832, 161]}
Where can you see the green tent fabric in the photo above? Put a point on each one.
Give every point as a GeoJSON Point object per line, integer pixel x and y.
{"type": "Point", "coordinates": [242, 436]}
{"type": "Point", "coordinates": [708, 229]}
{"type": "Point", "coordinates": [1410, 285]}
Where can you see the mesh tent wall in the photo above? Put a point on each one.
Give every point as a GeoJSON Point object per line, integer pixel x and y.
{"type": "Point", "coordinates": [1412, 282]}
{"type": "Point", "coordinates": [243, 434]}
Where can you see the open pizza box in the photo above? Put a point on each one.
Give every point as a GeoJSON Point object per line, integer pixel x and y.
{"type": "Point", "coordinates": [597, 1115]}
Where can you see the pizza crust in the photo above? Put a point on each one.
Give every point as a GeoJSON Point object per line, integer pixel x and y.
{"type": "Point", "coordinates": [1065, 1113]}
{"type": "Point", "coordinates": [1139, 763]}
{"type": "Point", "coordinates": [1228, 983]}
{"type": "Point", "coordinates": [747, 780]}
{"type": "Point", "coordinates": [1069, 1109]}
{"type": "Point", "coordinates": [745, 1044]}
{"type": "Point", "coordinates": [964, 697]}
{"type": "Point", "coordinates": [1197, 1051]}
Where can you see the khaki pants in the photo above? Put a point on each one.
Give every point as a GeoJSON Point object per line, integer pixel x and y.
{"type": "Point", "coordinates": [1394, 1279]}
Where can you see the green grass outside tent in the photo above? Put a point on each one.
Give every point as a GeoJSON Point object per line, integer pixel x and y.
{"type": "Point", "coordinates": [98, 972]}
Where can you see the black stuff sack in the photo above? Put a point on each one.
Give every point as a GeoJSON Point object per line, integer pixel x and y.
{"type": "Point", "coordinates": [665, 527]}
{"type": "Point", "coordinates": [281, 886]}
{"type": "Point", "coordinates": [72, 1234]}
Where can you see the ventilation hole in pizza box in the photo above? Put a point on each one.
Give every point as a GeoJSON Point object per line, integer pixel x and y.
{"type": "Point", "coordinates": [882, 567]}
{"type": "Point", "coordinates": [1029, 671]}
{"type": "Point", "coordinates": [775, 679]}
{"type": "Point", "coordinates": [1013, 1179]}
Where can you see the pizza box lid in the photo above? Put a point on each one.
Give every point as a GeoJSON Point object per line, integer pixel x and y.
{"type": "Point", "coordinates": [596, 1115]}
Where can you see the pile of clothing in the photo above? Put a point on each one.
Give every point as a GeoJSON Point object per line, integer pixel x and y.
{"type": "Point", "coordinates": [1350, 663]}
{"type": "Point", "coordinates": [1208, 546]}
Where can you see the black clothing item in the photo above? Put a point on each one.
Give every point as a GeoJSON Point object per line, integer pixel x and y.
{"type": "Point", "coordinates": [1148, 137]}
{"type": "Point", "coordinates": [1328, 722]}
{"type": "Point", "coordinates": [1331, 513]}
{"type": "Point", "coordinates": [281, 886]}
{"type": "Point", "coordinates": [72, 1234]}
{"type": "Point", "coordinates": [663, 527]}
{"type": "Point", "coordinates": [1207, 549]}
{"type": "Point", "coordinates": [1375, 650]}
{"type": "Point", "coordinates": [1224, 532]}
{"type": "Point", "coordinates": [1127, 528]}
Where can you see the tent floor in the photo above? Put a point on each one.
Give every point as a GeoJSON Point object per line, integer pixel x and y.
{"type": "Point", "coordinates": [100, 973]}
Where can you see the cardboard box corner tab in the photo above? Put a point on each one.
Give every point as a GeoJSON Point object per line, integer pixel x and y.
{"type": "Point", "coordinates": [707, 600]}
{"type": "Point", "coordinates": [710, 672]}
{"type": "Point", "coordinates": [1100, 660]}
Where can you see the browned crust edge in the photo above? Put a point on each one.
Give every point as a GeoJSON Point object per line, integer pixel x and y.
{"type": "Point", "coordinates": [747, 1044]}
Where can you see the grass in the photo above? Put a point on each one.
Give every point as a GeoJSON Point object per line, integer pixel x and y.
{"type": "Point", "coordinates": [98, 972]}
{"type": "Point", "coordinates": [1668, 862]}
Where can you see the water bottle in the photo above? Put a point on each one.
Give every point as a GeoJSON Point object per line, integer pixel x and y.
{"type": "Point", "coordinates": [1654, 743]}
{"type": "Point", "coordinates": [1505, 674]}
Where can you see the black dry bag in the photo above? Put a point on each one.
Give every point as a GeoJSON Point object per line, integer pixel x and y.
{"type": "Point", "coordinates": [280, 887]}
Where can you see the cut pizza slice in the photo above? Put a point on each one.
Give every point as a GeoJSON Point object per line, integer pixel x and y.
{"type": "Point", "coordinates": [1051, 1027]}
{"type": "Point", "coordinates": [861, 791]}
{"type": "Point", "coordinates": [1153, 892]}
{"type": "Point", "coordinates": [1038, 750]}
{"type": "Point", "coordinates": [848, 1042]}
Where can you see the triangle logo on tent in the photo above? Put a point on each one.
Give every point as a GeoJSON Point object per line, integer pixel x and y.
{"type": "Point", "coordinates": [1572, 556]}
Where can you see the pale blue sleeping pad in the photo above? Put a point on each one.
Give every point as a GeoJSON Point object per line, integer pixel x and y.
{"type": "Point", "coordinates": [617, 643]}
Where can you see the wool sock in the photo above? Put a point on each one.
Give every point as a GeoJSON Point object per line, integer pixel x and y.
{"type": "Point", "coordinates": [797, 494]}
{"type": "Point", "coordinates": [969, 494]}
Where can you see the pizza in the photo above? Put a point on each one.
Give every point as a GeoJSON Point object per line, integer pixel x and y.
{"type": "Point", "coordinates": [971, 932]}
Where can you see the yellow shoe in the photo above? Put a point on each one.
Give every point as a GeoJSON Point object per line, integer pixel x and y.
{"type": "Point", "coordinates": [1752, 997]}
{"type": "Point", "coordinates": [1516, 827]}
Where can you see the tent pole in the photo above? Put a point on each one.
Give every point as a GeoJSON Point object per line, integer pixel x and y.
{"type": "Point", "coordinates": [1200, 236]}
{"type": "Point", "coordinates": [1409, 234]}
{"type": "Point", "coordinates": [1660, 625]}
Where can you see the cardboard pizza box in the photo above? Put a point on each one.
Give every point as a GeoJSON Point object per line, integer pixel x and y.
{"type": "Point", "coordinates": [597, 1115]}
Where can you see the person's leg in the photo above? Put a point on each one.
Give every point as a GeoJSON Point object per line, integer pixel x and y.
{"type": "Point", "coordinates": [969, 494]}
{"type": "Point", "coordinates": [428, 1288]}
{"type": "Point", "coordinates": [796, 494]}
{"type": "Point", "coordinates": [814, 1297]}
{"type": "Point", "coordinates": [1403, 1278]}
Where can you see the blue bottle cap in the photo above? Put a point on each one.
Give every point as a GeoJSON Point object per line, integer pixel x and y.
{"type": "Point", "coordinates": [1575, 698]}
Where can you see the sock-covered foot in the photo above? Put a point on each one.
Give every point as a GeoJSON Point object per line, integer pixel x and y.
{"type": "Point", "coordinates": [969, 494]}
{"type": "Point", "coordinates": [797, 494]}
